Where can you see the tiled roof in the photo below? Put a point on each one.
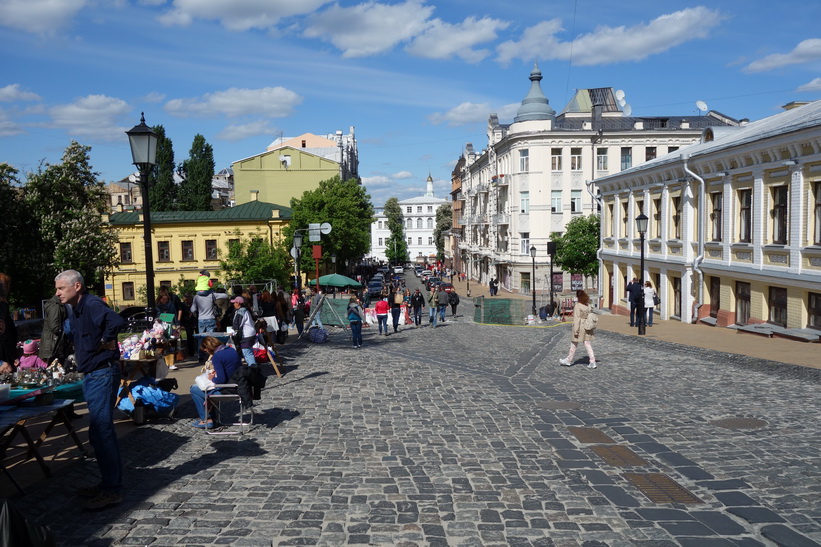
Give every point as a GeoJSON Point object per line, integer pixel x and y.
{"type": "Point", "coordinates": [253, 210]}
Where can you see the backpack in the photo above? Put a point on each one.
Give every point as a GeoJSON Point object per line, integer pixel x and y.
{"type": "Point", "coordinates": [591, 321]}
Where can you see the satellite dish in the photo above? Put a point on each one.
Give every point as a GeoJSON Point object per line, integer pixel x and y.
{"type": "Point", "coordinates": [701, 105]}
{"type": "Point", "coordinates": [325, 228]}
{"type": "Point", "coordinates": [627, 110]}
{"type": "Point", "coordinates": [622, 102]}
{"type": "Point", "coordinates": [619, 94]}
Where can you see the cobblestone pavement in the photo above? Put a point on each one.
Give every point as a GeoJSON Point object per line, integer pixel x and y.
{"type": "Point", "coordinates": [473, 435]}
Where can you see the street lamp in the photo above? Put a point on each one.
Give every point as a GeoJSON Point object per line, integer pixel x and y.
{"type": "Point", "coordinates": [533, 277]}
{"type": "Point", "coordinates": [296, 255]}
{"type": "Point", "coordinates": [551, 250]}
{"type": "Point", "coordinates": [467, 270]}
{"type": "Point", "coordinates": [143, 143]}
{"type": "Point", "coordinates": [333, 268]}
{"type": "Point", "coordinates": [641, 226]}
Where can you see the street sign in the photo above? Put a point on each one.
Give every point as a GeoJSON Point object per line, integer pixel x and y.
{"type": "Point", "coordinates": [313, 232]}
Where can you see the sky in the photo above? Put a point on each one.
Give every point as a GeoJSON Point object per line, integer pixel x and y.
{"type": "Point", "coordinates": [417, 79]}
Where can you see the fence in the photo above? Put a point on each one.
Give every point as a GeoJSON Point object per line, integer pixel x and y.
{"type": "Point", "coordinates": [501, 311]}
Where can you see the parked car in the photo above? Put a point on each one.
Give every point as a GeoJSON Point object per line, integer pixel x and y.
{"type": "Point", "coordinates": [136, 319]}
{"type": "Point", "coordinates": [398, 270]}
{"type": "Point", "coordinates": [446, 286]}
{"type": "Point", "coordinates": [425, 275]}
{"type": "Point", "coordinates": [432, 281]}
{"type": "Point", "coordinates": [418, 271]}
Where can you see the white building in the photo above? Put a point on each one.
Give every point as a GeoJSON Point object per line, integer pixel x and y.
{"type": "Point", "coordinates": [420, 221]}
{"type": "Point", "coordinates": [533, 177]}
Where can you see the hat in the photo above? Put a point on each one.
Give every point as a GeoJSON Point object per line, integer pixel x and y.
{"type": "Point", "coordinates": [30, 346]}
{"type": "Point", "coordinates": [238, 300]}
{"type": "Point", "coordinates": [205, 273]}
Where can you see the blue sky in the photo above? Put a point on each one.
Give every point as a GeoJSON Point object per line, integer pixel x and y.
{"type": "Point", "coordinates": [417, 79]}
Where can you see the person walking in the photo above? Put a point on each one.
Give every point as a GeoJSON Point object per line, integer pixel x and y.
{"type": "Point", "coordinates": [381, 310]}
{"type": "Point", "coordinates": [355, 316]}
{"type": "Point", "coordinates": [53, 341]}
{"type": "Point", "coordinates": [207, 311]}
{"type": "Point", "coordinates": [650, 297]}
{"type": "Point", "coordinates": [433, 304]}
{"type": "Point", "coordinates": [417, 302]}
{"type": "Point", "coordinates": [634, 293]}
{"type": "Point", "coordinates": [94, 328]}
{"type": "Point", "coordinates": [315, 300]}
{"type": "Point", "coordinates": [396, 308]}
{"type": "Point", "coordinates": [298, 310]}
{"type": "Point", "coordinates": [244, 332]}
{"type": "Point", "coordinates": [442, 300]}
{"type": "Point", "coordinates": [453, 300]}
{"type": "Point", "coordinates": [581, 331]}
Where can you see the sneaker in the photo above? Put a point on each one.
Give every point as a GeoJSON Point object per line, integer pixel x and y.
{"type": "Point", "coordinates": [172, 367]}
{"type": "Point", "coordinates": [103, 500]}
{"type": "Point", "coordinates": [564, 362]}
{"type": "Point", "coordinates": [89, 491]}
{"type": "Point", "coordinates": [592, 365]}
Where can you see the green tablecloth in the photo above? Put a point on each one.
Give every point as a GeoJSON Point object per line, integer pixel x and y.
{"type": "Point", "coordinates": [74, 390]}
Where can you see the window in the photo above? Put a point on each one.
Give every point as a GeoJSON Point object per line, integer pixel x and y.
{"type": "Point", "coordinates": [128, 290]}
{"type": "Point", "coordinates": [624, 219]}
{"type": "Point", "coordinates": [430, 223]}
{"type": "Point", "coordinates": [676, 281]}
{"type": "Point", "coordinates": [779, 214]}
{"type": "Point", "coordinates": [817, 238]}
{"type": "Point", "coordinates": [556, 201]}
{"type": "Point", "coordinates": [163, 251]}
{"type": "Point", "coordinates": [418, 223]}
{"type": "Point", "coordinates": [656, 229]}
{"type": "Point", "coordinates": [777, 302]}
{"type": "Point", "coordinates": [715, 215]}
{"type": "Point", "coordinates": [676, 226]}
{"type": "Point", "coordinates": [409, 209]}
{"type": "Point", "coordinates": [601, 159]}
{"type": "Point", "coordinates": [166, 285]}
{"type": "Point", "coordinates": [524, 201]}
{"type": "Point", "coordinates": [430, 241]}
{"type": "Point", "coordinates": [745, 214]}
{"type": "Point", "coordinates": [418, 240]}
{"type": "Point", "coordinates": [410, 241]}
{"type": "Point", "coordinates": [418, 209]}
{"type": "Point", "coordinates": [814, 310]}
{"type": "Point", "coordinates": [410, 223]}
{"type": "Point", "coordinates": [125, 253]}
{"type": "Point", "coordinates": [524, 161]}
{"type": "Point", "coordinates": [575, 159]}
{"type": "Point", "coordinates": [380, 242]}
{"type": "Point", "coordinates": [232, 243]}
{"type": "Point", "coordinates": [188, 250]}
{"type": "Point", "coordinates": [524, 243]}
{"type": "Point", "coordinates": [612, 217]}
{"type": "Point", "coordinates": [715, 295]}
{"type": "Point", "coordinates": [575, 201]}
{"type": "Point", "coordinates": [671, 149]}
{"type": "Point", "coordinates": [210, 249]}
{"type": "Point", "coordinates": [626, 158]}
{"type": "Point", "coordinates": [430, 208]}
{"type": "Point", "coordinates": [742, 302]}
{"type": "Point", "coordinates": [556, 159]}
{"type": "Point", "coordinates": [650, 153]}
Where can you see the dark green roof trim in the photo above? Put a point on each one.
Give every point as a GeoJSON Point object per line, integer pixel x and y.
{"type": "Point", "coordinates": [253, 210]}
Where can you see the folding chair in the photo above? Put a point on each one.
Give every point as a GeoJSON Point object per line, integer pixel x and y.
{"type": "Point", "coordinates": [567, 308]}
{"type": "Point", "coordinates": [228, 394]}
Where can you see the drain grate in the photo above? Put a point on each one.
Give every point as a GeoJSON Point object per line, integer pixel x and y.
{"type": "Point", "coordinates": [618, 456]}
{"type": "Point", "coordinates": [739, 423]}
{"type": "Point", "coordinates": [660, 488]}
{"type": "Point", "coordinates": [590, 435]}
{"type": "Point", "coordinates": [559, 405]}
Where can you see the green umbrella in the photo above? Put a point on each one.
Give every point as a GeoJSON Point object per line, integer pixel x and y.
{"type": "Point", "coordinates": [336, 280]}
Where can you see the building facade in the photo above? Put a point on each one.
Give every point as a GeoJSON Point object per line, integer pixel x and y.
{"type": "Point", "coordinates": [533, 177]}
{"type": "Point", "coordinates": [184, 243]}
{"type": "Point", "coordinates": [734, 233]}
{"type": "Point", "coordinates": [420, 221]}
{"type": "Point", "coordinates": [291, 166]}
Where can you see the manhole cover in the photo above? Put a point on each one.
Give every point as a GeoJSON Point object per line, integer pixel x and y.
{"type": "Point", "coordinates": [739, 423]}
{"type": "Point", "coordinates": [660, 488]}
{"type": "Point", "coordinates": [559, 405]}
{"type": "Point", "coordinates": [618, 456]}
{"type": "Point", "coordinates": [590, 435]}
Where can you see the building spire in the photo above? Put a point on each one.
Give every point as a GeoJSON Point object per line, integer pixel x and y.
{"type": "Point", "coordinates": [535, 105]}
{"type": "Point", "coordinates": [429, 192]}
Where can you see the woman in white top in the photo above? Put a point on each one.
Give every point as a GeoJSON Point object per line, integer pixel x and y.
{"type": "Point", "coordinates": [649, 302]}
{"type": "Point", "coordinates": [579, 333]}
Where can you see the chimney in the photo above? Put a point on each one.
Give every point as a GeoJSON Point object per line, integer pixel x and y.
{"type": "Point", "coordinates": [254, 195]}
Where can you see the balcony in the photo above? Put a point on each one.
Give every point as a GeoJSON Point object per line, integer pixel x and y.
{"type": "Point", "coordinates": [501, 218]}
{"type": "Point", "coordinates": [501, 180]}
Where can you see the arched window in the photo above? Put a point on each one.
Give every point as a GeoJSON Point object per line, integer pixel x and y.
{"type": "Point", "coordinates": [419, 223]}
{"type": "Point", "coordinates": [410, 223]}
{"type": "Point", "coordinates": [430, 223]}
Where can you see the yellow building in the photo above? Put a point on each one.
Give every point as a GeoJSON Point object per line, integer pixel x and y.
{"type": "Point", "coordinates": [184, 243]}
{"type": "Point", "coordinates": [289, 167]}
{"type": "Point", "coordinates": [734, 232]}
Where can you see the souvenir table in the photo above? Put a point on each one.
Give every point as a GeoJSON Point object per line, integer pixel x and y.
{"type": "Point", "coordinates": [70, 390]}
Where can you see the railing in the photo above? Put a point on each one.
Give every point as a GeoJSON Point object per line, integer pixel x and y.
{"type": "Point", "coordinates": [501, 218]}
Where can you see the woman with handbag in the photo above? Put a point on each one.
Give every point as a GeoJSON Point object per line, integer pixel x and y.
{"type": "Point", "coordinates": [650, 301]}
{"type": "Point", "coordinates": [584, 327]}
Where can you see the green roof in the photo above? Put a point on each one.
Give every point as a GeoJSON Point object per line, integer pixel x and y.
{"type": "Point", "coordinates": [253, 210]}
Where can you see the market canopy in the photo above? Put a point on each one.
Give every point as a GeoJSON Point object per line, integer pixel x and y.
{"type": "Point", "coordinates": [336, 280]}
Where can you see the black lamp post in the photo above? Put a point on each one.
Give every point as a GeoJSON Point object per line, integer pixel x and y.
{"type": "Point", "coordinates": [467, 270]}
{"type": "Point", "coordinates": [533, 277]}
{"type": "Point", "coordinates": [551, 250]}
{"type": "Point", "coordinates": [298, 252]}
{"type": "Point", "coordinates": [641, 225]}
{"type": "Point", "coordinates": [333, 268]}
{"type": "Point", "coordinates": [143, 143]}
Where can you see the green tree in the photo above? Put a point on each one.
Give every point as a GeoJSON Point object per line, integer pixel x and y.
{"type": "Point", "coordinates": [576, 248]}
{"type": "Point", "coordinates": [444, 222]}
{"type": "Point", "coordinates": [347, 207]}
{"type": "Point", "coordinates": [197, 172]}
{"type": "Point", "coordinates": [20, 248]}
{"type": "Point", "coordinates": [254, 259]}
{"type": "Point", "coordinates": [67, 201]}
{"type": "Point", "coordinates": [162, 190]}
{"type": "Point", "coordinates": [396, 248]}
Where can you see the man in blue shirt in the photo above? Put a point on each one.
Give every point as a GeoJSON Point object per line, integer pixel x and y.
{"type": "Point", "coordinates": [94, 328]}
{"type": "Point", "coordinates": [634, 292]}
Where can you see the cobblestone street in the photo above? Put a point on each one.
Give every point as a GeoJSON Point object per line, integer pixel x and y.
{"type": "Point", "coordinates": [473, 435]}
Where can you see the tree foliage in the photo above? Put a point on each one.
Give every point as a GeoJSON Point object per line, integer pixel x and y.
{"type": "Point", "coordinates": [576, 248]}
{"type": "Point", "coordinates": [197, 172]}
{"type": "Point", "coordinates": [255, 259]}
{"type": "Point", "coordinates": [396, 248]}
{"type": "Point", "coordinates": [18, 248]}
{"type": "Point", "coordinates": [66, 201]}
{"type": "Point", "coordinates": [347, 207]}
{"type": "Point", "coordinates": [162, 190]}
{"type": "Point", "coordinates": [444, 222]}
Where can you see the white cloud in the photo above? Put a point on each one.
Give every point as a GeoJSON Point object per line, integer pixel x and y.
{"type": "Point", "coordinates": [38, 16]}
{"type": "Point", "coordinates": [369, 28]}
{"type": "Point", "coordinates": [442, 40]}
{"type": "Point", "coordinates": [402, 175]}
{"type": "Point", "coordinates": [238, 15]}
{"type": "Point", "coordinates": [377, 181]}
{"type": "Point", "coordinates": [274, 102]}
{"type": "Point", "coordinates": [608, 45]}
{"type": "Point", "coordinates": [814, 85]}
{"type": "Point", "coordinates": [9, 128]}
{"type": "Point", "coordinates": [91, 116]}
{"type": "Point", "coordinates": [463, 114]}
{"type": "Point", "coordinates": [153, 97]}
{"type": "Point", "coordinates": [238, 132]}
{"type": "Point", "coordinates": [805, 52]}
{"type": "Point", "coordinates": [12, 93]}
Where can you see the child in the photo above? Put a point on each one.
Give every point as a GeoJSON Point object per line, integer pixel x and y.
{"type": "Point", "coordinates": [30, 359]}
{"type": "Point", "coordinates": [204, 284]}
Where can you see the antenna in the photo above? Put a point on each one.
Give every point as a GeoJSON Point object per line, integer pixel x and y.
{"type": "Point", "coordinates": [619, 94]}
{"type": "Point", "coordinates": [701, 105]}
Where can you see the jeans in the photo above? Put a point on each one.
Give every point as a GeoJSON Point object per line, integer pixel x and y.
{"type": "Point", "coordinates": [100, 391]}
{"type": "Point", "coordinates": [649, 317]}
{"type": "Point", "coordinates": [298, 321]}
{"type": "Point", "coordinates": [248, 353]}
{"type": "Point", "coordinates": [317, 320]}
{"type": "Point", "coordinates": [433, 317]}
{"type": "Point", "coordinates": [443, 309]}
{"type": "Point", "coordinates": [206, 325]}
{"type": "Point", "coordinates": [395, 312]}
{"type": "Point", "coordinates": [417, 315]}
{"type": "Point", "coordinates": [382, 320]}
{"type": "Point", "coordinates": [633, 313]}
{"type": "Point", "coordinates": [198, 397]}
{"type": "Point", "coordinates": [356, 333]}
